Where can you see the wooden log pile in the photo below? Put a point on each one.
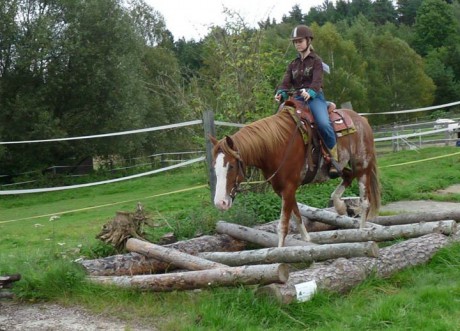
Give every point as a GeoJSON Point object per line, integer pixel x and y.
{"type": "Point", "coordinates": [340, 255]}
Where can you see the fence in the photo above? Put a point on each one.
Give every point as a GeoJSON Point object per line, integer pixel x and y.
{"type": "Point", "coordinates": [410, 136]}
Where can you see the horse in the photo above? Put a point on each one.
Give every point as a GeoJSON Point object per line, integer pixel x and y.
{"type": "Point", "coordinates": [276, 145]}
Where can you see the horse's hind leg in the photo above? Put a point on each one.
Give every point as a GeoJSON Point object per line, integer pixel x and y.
{"type": "Point", "coordinates": [363, 199]}
{"type": "Point", "coordinates": [300, 226]}
{"type": "Point", "coordinates": [336, 197]}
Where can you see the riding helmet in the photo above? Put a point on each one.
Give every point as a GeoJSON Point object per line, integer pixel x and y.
{"type": "Point", "coordinates": [300, 32]}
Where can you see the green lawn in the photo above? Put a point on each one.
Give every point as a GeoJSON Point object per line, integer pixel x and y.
{"type": "Point", "coordinates": [421, 298]}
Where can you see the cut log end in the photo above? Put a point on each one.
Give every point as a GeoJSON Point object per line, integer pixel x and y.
{"type": "Point", "coordinates": [283, 272]}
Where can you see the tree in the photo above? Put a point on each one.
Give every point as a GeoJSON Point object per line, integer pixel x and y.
{"type": "Point", "coordinates": [437, 67]}
{"type": "Point", "coordinates": [233, 59]}
{"type": "Point", "coordinates": [407, 10]}
{"type": "Point", "coordinates": [322, 14]}
{"type": "Point", "coordinates": [346, 80]}
{"type": "Point", "coordinates": [435, 26]}
{"type": "Point", "coordinates": [383, 12]}
{"type": "Point", "coordinates": [295, 16]}
{"type": "Point", "coordinates": [394, 75]}
{"type": "Point", "coordinates": [68, 69]}
{"type": "Point", "coordinates": [363, 7]}
{"type": "Point", "coordinates": [149, 23]}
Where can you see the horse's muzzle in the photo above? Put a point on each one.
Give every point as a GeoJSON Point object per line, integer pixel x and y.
{"type": "Point", "coordinates": [223, 204]}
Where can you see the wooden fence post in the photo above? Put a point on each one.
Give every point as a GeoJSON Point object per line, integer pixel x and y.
{"type": "Point", "coordinates": [210, 129]}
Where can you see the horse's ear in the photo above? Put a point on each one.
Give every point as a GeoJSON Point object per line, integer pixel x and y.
{"type": "Point", "coordinates": [230, 142]}
{"type": "Point", "coordinates": [213, 140]}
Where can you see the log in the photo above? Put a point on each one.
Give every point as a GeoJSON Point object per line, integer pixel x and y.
{"type": "Point", "coordinates": [295, 254]}
{"type": "Point", "coordinates": [229, 276]}
{"type": "Point", "coordinates": [311, 226]}
{"type": "Point", "coordinates": [6, 281]}
{"type": "Point", "coordinates": [171, 255]}
{"type": "Point", "coordinates": [135, 264]}
{"type": "Point", "coordinates": [258, 237]}
{"type": "Point", "coordinates": [331, 218]}
{"type": "Point", "coordinates": [417, 218]}
{"type": "Point", "coordinates": [383, 233]}
{"type": "Point", "coordinates": [343, 274]}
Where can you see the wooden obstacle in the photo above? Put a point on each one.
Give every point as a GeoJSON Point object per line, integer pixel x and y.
{"type": "Point", "coordinates": [350, 254]}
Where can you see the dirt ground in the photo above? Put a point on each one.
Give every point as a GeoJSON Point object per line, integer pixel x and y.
{"type": "Point", "coordinates": [52, 317]}
{"type": "Point", "coordinates": [425, 205]}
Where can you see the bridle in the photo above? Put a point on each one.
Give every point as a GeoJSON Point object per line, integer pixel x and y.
{"type": "Point", "coordinates": [240, 171]}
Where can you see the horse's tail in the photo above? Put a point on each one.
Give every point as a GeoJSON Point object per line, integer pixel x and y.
{"type": "Point", "coordinates": [373, 189]}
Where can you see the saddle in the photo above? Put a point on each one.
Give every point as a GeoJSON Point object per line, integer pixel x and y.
{"type": "Point", "coordinates": [342, 124]}
{"type": "Point", "coordinates": [341, 121]}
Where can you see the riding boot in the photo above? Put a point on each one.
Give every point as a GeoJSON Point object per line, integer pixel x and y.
{"type": "Point", "coordinates": [334, 170]}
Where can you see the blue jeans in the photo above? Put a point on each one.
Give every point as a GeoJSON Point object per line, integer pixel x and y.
{"type": "Point", "coordinates": [318, 107]}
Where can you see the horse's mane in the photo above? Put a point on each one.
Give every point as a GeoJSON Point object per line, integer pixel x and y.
{"type": "Point", "coordinates": [261, 137]}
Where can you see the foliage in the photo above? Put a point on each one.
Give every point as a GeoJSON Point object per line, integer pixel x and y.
{"type": "Point", "coordinates": [435, 26]}
{"type": "Point", "coordinates": [80, 68]}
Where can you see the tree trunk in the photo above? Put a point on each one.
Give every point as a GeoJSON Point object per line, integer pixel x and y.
{"type": "Point", "coordinates": [170, 255]}
{"type": "Point", "coordinates": [296, 254]}
{"type": "Point", "coordinates": [344, 274]}
{"type": "Point", "coordinates": [383, 233]}
{"type": "Point", "coordinates": [331, 218]}
{"type": "Point", "coordinates": [255, 236]}
{"type": "Point", "coordinates": [135, 264]}
{"type": "Point", "coordinates": [229, 276]}
{"type": "Point", "coordinates": [311, 226]}
{"type": "Point", "coordinates": [417, 218]}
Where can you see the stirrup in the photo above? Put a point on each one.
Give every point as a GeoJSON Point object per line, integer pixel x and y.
{"type": "Point", "coordinates": [334, 170]}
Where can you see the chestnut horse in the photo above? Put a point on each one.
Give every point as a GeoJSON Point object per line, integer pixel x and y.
{"type": "Point", "coordinates": [276, 146]}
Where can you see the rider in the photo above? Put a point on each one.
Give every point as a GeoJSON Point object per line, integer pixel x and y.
{"type": "Point", "coordinates": [305, 73]}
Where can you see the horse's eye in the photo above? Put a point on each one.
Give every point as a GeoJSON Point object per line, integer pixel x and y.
{"type": "Point", "coordinates": [231, 167]}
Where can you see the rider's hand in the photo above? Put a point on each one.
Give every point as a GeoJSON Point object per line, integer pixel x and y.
{"type": "Point", "coordinates": [305, 94]}
{"type": "Point", "coordinates": [281, 96]}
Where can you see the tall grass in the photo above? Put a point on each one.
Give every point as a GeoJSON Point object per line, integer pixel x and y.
{"type": "Point", "coordinates": [42, 247]}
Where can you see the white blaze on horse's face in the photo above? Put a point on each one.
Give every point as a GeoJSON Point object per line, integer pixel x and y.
{"type": "Point", "coordinates": [222, 198]}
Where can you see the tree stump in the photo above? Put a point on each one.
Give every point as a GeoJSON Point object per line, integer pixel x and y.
{"type": "Point", "coordinates": [123, 226]}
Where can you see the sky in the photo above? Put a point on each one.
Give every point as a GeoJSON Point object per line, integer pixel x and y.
{"type": "Point", "coordinates": [190, 19]}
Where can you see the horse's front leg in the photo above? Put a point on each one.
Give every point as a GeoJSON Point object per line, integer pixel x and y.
{"type": "Point", "coordinates": [290, 209]}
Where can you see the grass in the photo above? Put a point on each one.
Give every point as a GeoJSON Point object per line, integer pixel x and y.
{"type": "Point", "coordinates": [42, 250]}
